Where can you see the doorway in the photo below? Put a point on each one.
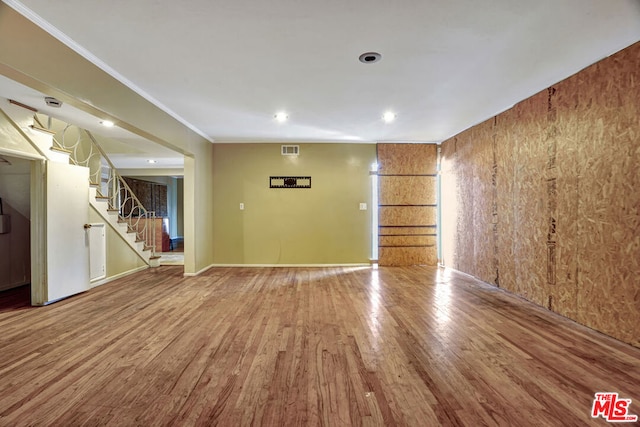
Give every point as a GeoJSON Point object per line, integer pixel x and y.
{"type": "Point", "coordinates": [15, 219]}
{"type": "Point", "coordinates": [165, 196]}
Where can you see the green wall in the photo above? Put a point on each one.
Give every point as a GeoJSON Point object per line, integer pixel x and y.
{"type": "Point", "coordinates": [320, 225]}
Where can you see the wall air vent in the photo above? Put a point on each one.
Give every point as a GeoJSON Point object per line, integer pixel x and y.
{"type": "Point", "coordinates": [290, 150]}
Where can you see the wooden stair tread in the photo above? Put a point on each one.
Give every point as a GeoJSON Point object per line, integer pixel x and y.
{"type": "Point", "coordinates": [60, 150]}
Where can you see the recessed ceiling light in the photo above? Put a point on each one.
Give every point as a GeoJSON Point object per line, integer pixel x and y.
{"type": "Point", "coordinates": [281, 117]}
{"type": "Point", "coordinates": [151, 161]}
{"type": "Point", "coordinates": [370, 57]}
{"type": "Point", "coordinates": [388, 117]}
{"type": "Point", "coordinates": [107, 123]}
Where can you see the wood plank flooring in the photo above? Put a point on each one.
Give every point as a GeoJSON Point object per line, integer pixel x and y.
{"type": "Point", "coordinates": [394, 346]}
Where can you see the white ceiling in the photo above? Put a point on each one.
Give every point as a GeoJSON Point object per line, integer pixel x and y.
{"type": "Point", "coordinates": [225, 68]}
{"type": "Point", "coordinates": [126, 150]}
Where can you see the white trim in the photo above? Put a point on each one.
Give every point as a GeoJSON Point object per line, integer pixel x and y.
{"type": "Point", "coordinates": [104, 229]}
{"type": "Point", "coordinates": [198, 272]}
{"type": "Point", "coordinates": [117, 276]}
{"type": "Point", "coordinates": [70, 43]}
{"type": "Point", "coordinates": [20, 154]}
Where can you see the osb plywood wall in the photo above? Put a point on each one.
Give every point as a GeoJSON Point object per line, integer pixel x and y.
{"type": "Point", "coordinates": [546, 198]}
{"type": "Point", "coordinates": [407, 204]}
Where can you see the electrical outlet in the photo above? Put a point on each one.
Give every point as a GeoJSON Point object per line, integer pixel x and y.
{"type": "Point", "coordinates": [363, 206]}
{"type": "Point", "coordinates": [241, 206]}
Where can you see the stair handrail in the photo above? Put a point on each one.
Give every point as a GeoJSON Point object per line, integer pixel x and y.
{"type": "Point", "coordinates": [115, 202]}
{"type": "Point", "coordinates": [73, 148]}
{"type": "Point", "coordinates": [120, 193]}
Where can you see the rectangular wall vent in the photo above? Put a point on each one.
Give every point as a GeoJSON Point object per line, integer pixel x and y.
{"type": "Point", "coordinates": [290, 150]}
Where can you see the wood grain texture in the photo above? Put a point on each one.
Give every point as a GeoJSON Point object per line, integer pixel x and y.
{"type": "Point", "coordinates": [507, 133]}
{"type": "Point", "coordinates": [476, 226]}
{"type": "Point", "coordinates": [560, 173]}
{"type": "Point", "coordinates": [407, 215]}
{"type": "Point", "coordinates": [406, 231]}
{"type": "Point", "coordinates": [563, 131]}
{"type": "Point", "coordinates": [407, 255]}
{"type": "Point", "coordinates": [407, 190]}
{"type": "Point", "coordinates": [529, 207]}
{"type": "Point", "coordinates": [407, 199]}
{"type": "Point", "coordinates": [407, 159]}
{"type": "Point", "coordinates": [404, 346]}
{"type": "Point", "coordinates": [608, 235]}
{"type": "Point", "coordinates": [407, 241]}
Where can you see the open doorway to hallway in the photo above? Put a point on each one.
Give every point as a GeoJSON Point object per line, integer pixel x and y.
{"type": "Point", "coordinates": [15, 217]}
{"type": "Point", "coordinates": [165, 196]}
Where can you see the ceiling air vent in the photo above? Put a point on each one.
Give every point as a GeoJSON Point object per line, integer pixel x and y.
{"type": "Point", "coordinates": [290, 150]}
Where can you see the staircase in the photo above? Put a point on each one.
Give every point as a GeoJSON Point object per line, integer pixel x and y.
{"type": "Point", "coordinates": [128, 232]}
{"type": "Point", "coordinates": [109, 194]}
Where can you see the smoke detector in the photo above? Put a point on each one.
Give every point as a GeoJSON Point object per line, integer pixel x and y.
{"type": "Point", "coordinates": [53, 102]}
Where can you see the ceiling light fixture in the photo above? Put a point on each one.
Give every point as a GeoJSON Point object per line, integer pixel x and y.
{"type": "Point", "coordinates": [370, 57]}
{"type": "Point", "coordinates": [388, 117]}
{"type": "Point", "coordinates": [281, 117]}
{"type": "Point", "coordinates": [107, 123]}
{"type": "Point", "coordinates": [53, 102]}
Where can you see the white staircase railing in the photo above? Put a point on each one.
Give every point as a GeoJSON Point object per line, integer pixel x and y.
{"type": "Point", "coordinates": [110, 186]}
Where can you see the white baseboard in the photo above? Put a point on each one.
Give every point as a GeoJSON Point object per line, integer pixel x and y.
{"type": "Point", "coordinates": [117, 276]}
{"type": "Point", "coordinates": [198, 272]}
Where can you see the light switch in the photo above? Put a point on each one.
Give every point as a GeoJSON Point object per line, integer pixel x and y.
{"type": "Point", "coordinates": [363, 206]}
{"type": "Point", "coordinates": [241, 206]}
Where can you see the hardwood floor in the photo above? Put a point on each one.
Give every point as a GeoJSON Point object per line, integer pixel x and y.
{"type": "Point", "coordinates": [310, 346]}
